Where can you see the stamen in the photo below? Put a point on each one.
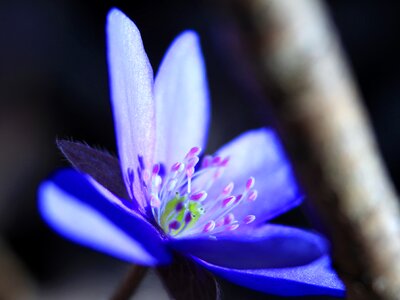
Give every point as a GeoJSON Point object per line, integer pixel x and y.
{"type": "Point", "coordinates": [228, 201]}
{"type": "Point", "coordinates": [198, 196]}
{"type": "Point", "coordinates": [156, 169]}
{"type": "Point", "coordinates": [250, 183]}
{"type": "Point", "coordinates": [192, 162]}
{"type": "Point", "coordinates": [216, 160]}
{"type": "Point", "coordinates": [177, 167]}
{"type": "Point", "coordinates": [180, 199]}
{"type": "Point", "coordinates": [209, 226]}
{"type": "Point", "coordinates": [249, 219]}
{"type": "Point", "coordinates": [229, 218]}
{"type": "Point", "coordinates": [228, 189]}
{"type": "Point", "coordinates": [252, 196]}
{"type": "Point", "coordinates": [206, 161]}
{"type": "Point", "coordinates": [220, 222]}
{"type": "Point", "coordinates": [232, 227]}
{"type": "Point", "coordinates": [193, 152]}
{"type": "Point", "coordinates": [225, 162]}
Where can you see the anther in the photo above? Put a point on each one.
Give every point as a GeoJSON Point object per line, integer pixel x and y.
{"type": "Point", "coordinates": [198, 196]}
{"type": "Point", "coordinates": [252, 196]}
{"type": "Point", "coordinates": [225, 162]}
{"type": "Point", "coordinates": [177, 167]}
{"type": "Point", "coordinates": [156, 169]}
{"type": "Point", "coordinates": [250, 183]}
{"type": "Point", "coordinates": [228, 189]}
{"type": "Point", "coordinates": [216, 160]}
{"type": "Point", "coordinates": [229, 218]}
{"type": "Point", "coordinates": [193, 152]}
{"type": "Point", "coordinates": [228, 201]}
{"type": "Point", "coordinates": [249, 219]}
{"type": "Point", "coordinates": [232, 227]}
{"type": "Point", "coordinates": [206, 161]}
{"type": "Point", "coordinates": [192, 162]}
{"type": "Point", "coordinates": [209, 226]}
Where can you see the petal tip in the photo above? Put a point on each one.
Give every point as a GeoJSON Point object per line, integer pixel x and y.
{"type": "Point", "coordinates": [116, 19]}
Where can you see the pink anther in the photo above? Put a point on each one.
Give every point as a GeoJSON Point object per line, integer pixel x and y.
{"type": "Point", "coordinates": [216, 160]}
{"type": "Point", "coordinates": [232, 227]}
{"type": "Point", "coordinates": [177, 167]}
{"type": "Point", "coordinates": [228, 189]}
{"type": "Point", "coordinates": [192, 162]}
{"type": "Point", "coordinates": [249, 219]}
{"type": "Point", "coordinates": [250, 183]}
{"type": "Point", "coordinates": [228, 201]}
{"type": "Point", "coordinates": [193, 152]}
{"type": "Point", "coordinates": [229, 218]}
{"type": "Point", "coordinates": [209, 226]}
{"type": "Point", "coordinates": [206, 161]}
{"type": "Point", "coordinates": [156, 169]}
{"type": "Point", "coordinates": [225, 162]}
{"type": "Point", "coordinates": [252, 196]}
{"type": "Point", "coordinates": [198, 196]}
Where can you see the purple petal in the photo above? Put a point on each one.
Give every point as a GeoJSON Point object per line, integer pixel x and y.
{"type": "Point", "coordinates": [270, 246]}
{"type": "Point", "coordinates": [182, 103]}
{"type": "Point", "coordinates": [258, 153]}
{"type": "Point", "coordinates": [74, 208]}
{"type": "Point", "coordinates": [315, 278]}
{"type": "Point", "coordinates": [131, 81]}
{"type": "Point", "coordinates": [100, 165]}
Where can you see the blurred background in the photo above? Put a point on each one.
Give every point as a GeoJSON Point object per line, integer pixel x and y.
{"type": "Point", "coordinates": [54, 83]}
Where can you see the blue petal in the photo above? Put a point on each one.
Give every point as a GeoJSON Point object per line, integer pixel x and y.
{"type": "Point", "coordinates": [273, 259]}
{"type": "Point", "coordinates": [270, 246]}
{"type": "Point", "coordinates": [315, 278]}
{"type": "Point", "coordinates": [74, 208]}
{"type": "Point", "coordinates": [259, 153]}
{"type": "Point", "coordinates": [182, 102]}
{"type": "Point", "coordinates": [131, 84]}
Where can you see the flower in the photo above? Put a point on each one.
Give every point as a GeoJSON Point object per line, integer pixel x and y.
{"type": "Point", "coordinates": [160, 198]}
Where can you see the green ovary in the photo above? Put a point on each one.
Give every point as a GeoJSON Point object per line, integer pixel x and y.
{"type": "Point", "coordinates": [171, 214]}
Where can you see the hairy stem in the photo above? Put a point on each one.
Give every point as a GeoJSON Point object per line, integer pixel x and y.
{"type": "Point", "coordinates": [130, 283]}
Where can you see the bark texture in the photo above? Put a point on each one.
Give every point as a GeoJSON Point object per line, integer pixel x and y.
{"type": "Point", "coordinates": [297, 57]}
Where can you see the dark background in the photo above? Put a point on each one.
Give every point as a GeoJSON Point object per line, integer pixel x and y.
{"type": "Point", "coordinates": [54, 83]}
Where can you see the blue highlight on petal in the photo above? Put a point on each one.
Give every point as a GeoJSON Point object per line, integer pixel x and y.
{"type": "Point", "coordinates": [76, 210]}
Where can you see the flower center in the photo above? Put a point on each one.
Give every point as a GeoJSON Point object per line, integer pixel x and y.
{"type": "Point", "coordinates": [185, 200]}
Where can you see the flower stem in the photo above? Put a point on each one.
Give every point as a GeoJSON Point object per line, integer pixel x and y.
{"type": "Point", "coordinates": [130, 283]}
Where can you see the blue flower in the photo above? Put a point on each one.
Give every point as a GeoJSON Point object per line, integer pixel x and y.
{"type": "Point", "coordinates": [160, 198]}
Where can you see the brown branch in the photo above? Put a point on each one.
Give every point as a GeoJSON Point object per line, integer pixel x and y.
{"type": "Point", "coordinates": [298, 59]}
{"type": "Point", "coordinates": [130, 283]}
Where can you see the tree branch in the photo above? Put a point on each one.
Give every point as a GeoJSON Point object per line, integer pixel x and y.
{"type": "Point", "coordinates": [299, 61]}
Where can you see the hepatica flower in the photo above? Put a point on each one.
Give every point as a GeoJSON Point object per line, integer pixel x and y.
{"type": "Point", "coordinates": [164, 196]}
